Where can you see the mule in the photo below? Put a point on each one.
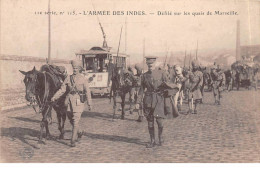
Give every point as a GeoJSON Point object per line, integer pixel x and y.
{"type": "Point", "coordinates": [40, 88]}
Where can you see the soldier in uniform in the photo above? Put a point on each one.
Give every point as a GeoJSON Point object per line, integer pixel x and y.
{"type": "Point", "coordinates": [95, 67]}
{"type": "Point", "coordinates": [110, 69]}
{"type": "Point", "coordinates": [77, 98]}
{"type": "Point", "coordinates": [217, 80]}
{"type": "Point", "coordinates": [134, 92]}
{"type": "Point", "coordinates": [194, 92]}
{"type": "Point", "coordinates": [179, 79]}
{"type": "Point", "coordinates": [154, 100]}
{"type": "Point", "coordinates": [170, 74]}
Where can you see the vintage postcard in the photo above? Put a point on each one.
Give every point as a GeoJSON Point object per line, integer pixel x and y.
{"type": "Point", "coordinates": [130, 81]}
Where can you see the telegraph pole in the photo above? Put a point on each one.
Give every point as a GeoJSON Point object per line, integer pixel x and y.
{"type": "Point", "coordinates": [197, 51]}
{"type": "Point", "coordinates": [49, 33]}
{"type": "Point", "coordinates": [143, 53]}
{"type": "Point", "coordinates": [184, 64]}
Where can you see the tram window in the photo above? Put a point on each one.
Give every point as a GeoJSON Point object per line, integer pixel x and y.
{"type": "Point", "coordinates": [89, 63]}
{"type": "Point", "coordinates": [101, 65]}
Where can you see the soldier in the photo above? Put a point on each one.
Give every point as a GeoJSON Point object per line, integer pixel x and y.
{"type": "Point", "coordinates": [237, 79]}
{"type": "Point", "coordinates": [95, 67]}
{"type": "Point", "coordinates": [154, 102]}
{"type": "Point", "coordinates": [110, 69]}
{"type": "Point", "coordinates": [179, 79]}
{"type": "Point", "coordinates": [203, 70]}
{"type": "Point", "coordinates": [78, 96]}
{"type": "Point", "coordinates": [171, 74]}
{"type": "Point", "coordinates": [229, 79]}
{"type": "Point", "coordinates": [217, 80]}
{"type": "Point", "coordinates": [134, 92]}
{"type": "Point", "coordinates": [194, 92]}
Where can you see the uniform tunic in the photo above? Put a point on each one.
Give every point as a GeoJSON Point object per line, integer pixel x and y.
{"type": "Point", "coordinates": [73, 98]}
{"type": "Point", "coordinates": [153, 101]}
{"type": "Point", "coordinates": [196, 81]}
{"type": "Point", "coordinates": [218, 79]}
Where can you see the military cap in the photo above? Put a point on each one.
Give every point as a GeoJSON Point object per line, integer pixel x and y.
{"type": "Point", "coordinates": [138, 67]}
{"type": "Point", "coordinates": [178, 69]}
{"type": "Point", "coordinates": [218, 67]}
{"type": "Point", "coordinates": [150, 59]}
{"type": "Point", "coordinates": [76, 63]}
{"type": "Point", "coordinates": [130, 69]}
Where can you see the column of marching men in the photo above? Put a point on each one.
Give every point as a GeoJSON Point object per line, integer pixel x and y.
{"type": "Point", "coordinates": [156, 94]}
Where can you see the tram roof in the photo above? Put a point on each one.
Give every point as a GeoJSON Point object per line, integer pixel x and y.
{"type": "Point", "coordinates": [99, 50]}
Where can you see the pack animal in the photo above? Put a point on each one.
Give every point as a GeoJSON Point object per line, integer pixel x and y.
{"type": "Point", "coordinates": [40, 87]}
{"type": "Point", "coordinates": [122, 82]}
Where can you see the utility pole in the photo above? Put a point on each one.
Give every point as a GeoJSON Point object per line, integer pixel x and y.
{"type": "Point", "coordinates": [238, 57]}
{"type": "Point", "coordinates": [49, 32]}
{"type": "Point", "coordinates": [184, 64]}
{"type": "Point", "coordinates": [119, 42]}
{"type": "Point", "coordinates": [190, 60]}
{"type": "Point", "coordinates": [197, 51]}
{"type": "Point", "coordinates": [143, 53]}
{"type": "Point", "coordinates": [125, 34]}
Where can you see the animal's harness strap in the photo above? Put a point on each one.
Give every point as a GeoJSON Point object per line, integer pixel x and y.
{"type": "Point", "coordinates": [45, 96]}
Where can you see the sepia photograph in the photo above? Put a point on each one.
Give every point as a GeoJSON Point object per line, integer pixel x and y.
{"type": "Point", "coordinates": [130, 81]}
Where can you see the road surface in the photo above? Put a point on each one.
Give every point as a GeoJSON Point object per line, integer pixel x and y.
{"type": "Point", "coordinates": [226, 133]}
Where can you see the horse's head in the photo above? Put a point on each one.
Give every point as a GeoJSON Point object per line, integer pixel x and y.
{"type": "Point", "coordinates": [122, 77]}
{"type": "Point", "coordinates": [30, 81]}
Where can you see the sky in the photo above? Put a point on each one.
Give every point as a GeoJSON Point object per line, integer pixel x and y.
{"type": "Point", "coordinates": [25, 33]}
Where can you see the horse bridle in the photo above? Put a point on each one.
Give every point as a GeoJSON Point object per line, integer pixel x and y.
{"type": "Point", "coordinates": [42, 104]}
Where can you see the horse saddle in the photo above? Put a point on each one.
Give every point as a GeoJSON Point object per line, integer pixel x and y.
{"type": "Point", "coordinates": [57, 73]}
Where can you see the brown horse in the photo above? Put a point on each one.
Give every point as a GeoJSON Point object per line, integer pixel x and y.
{"type": "Point", "coordinates": [40, 87]}
{"type": "Point", "coordinates": [122, 83]}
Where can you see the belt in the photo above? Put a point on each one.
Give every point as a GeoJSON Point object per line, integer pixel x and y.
{"type": "Point", "coordinates": [148, 93]}
{"type": "Point", "coordinates": [74, 92]}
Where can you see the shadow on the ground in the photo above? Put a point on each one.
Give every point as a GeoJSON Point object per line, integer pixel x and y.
{"type": "Point", "coordinates": [20, 134]}
{"type": "Point", "coordinates": [25, 134]}
{"type": "Point", "coordinates": [96, 114]}
{"type": "Point", "coordinates": [104, 116]}
{"type": "Point", "coordinates": [114, 138]}
{"type": "Point", "coordinates": [26, 119]}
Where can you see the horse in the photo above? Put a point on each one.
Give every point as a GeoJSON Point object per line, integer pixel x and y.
{"type": "Point", "coordinates": [122, 83]}
{"type": "Point", "coordinates": [40, 87]}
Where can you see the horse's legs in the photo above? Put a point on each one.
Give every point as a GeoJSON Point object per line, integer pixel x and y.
{"type": "Point", "coordinates": [44, 123]}
{"type": "Point", "coordinates": [123, 105]}
{"type": "Point", "coordinates": [131, 99]}
{"type": "Point", "coordinates": [114, 106]}
{"type": "Point", "coordinates": [48, 135]}
{"type": "Point", "coordinates": [48, 117]}
{"type": "Point", "coordinates": [61, 116]}
{"type": "Point", "coordinates": [41, 132]}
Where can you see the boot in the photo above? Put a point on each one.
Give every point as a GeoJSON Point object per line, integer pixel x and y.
{"type": "Point", "coordinates": [160, 131]}
{"type": "Point", "coordinates": [179, 107]}
{"type": "Point", "coordinates": [73, 144]}
{"type": "Point", "coordinates": [152, 143]}
{"type": "Point", "coordinates": [80, 134]}
{"type": "Point", "coordinates": [189, 111]}
{"type": "Point", "coordinates": [123, 116]}
{"type": "Point", "coordinates": [140, 119]}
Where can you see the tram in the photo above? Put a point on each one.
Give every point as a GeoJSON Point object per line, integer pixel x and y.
{"type": "Point", "coordinates": [95, 63]}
